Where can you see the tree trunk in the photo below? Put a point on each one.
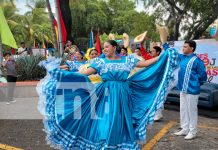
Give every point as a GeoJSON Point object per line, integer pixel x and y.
{"type": "Point", "coordinates": [52, 25]}
{"type": "Point", "coordinates": [176, 29]}
{"type": "Point", "coordinates": [200, 28]}
{"type": "Point", "coordinates": [199, 32]}
{"type": "Point", "coordinates": [67, 18]}
{"type": "Point", "coordinates": [177, 14]}
{"type": "Point", "coordinates": [176, 21]}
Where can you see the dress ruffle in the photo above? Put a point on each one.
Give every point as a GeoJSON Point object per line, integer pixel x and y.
{"type": "Point", "coordinates": [152, 82]}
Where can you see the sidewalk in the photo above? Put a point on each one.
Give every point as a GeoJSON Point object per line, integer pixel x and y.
{"type": "Point", "coordinates": [24, 108]}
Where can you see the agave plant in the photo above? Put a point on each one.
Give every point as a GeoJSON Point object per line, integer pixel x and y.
{"type": "Point", "coordinates": [28, 68]}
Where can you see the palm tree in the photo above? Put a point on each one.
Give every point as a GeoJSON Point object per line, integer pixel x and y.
{"type": "Point", "coordinates": [37, 22]}
{"type": "Point", "coordinates": [13, 19]}
{"type": "Point", "coordinates": [32, 25]}
{"type": "Point", "coordinates": [8, 13]}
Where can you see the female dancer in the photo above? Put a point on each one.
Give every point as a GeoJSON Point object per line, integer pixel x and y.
{"type": "Point", "coordinates": [94, 78]}
{"type": "Point", "coordinates": [74, 65]}
{"type": "Point", "coordinates": [112, 114]}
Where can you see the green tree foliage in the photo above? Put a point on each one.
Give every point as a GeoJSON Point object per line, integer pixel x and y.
{"type": "Point", "coordinates": [112, 16]}
{"type": "Point", "coordinates": [14, 20]}
{"type": "Point", "coordinates": [191, 17]}
{"type": "Point", "coordinates": [143, 22]}
{"type": "Point", "coordinates": [37, 22]}
{"type": "Point", "coordinates": [104, 37]}
{"type": "Point", "coordinates": [204, 13]}
{"type": "Point", "coordinates": [87, 15]}
{"type": "Point", "coordinates": [33, 25]}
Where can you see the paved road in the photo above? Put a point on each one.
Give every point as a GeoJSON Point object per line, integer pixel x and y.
{"type": "Point", "coordinates": [21, 127]}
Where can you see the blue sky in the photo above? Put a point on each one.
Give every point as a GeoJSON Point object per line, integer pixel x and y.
{"type": "Point", "coordinates": [140, 6]}
{"type": "Point", "coordinates": [21, 5]}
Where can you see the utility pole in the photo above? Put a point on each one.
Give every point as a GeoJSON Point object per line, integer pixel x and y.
{"type": "Point", "coordinates": [52, 26]}
{"type": "Point", "coordinates": [60, 41]}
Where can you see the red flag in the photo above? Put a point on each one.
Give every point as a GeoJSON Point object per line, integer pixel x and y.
{"type": "Point", "coordinates": [98, 43]}
{"type": "Point", "coordinates": [12, 51]}
{"type": "Point", "coordinates": [63, 28]}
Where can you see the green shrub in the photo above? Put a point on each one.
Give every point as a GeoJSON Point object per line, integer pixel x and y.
{"type": "Point", "coordinates": [28, 68]}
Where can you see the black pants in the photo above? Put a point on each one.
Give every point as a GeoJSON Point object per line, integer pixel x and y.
{"type": "Point", "coordinates": [11, 87]}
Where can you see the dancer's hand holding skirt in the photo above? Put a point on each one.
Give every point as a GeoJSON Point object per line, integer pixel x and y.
{"type": "Point", "coordinates": [112, 114]}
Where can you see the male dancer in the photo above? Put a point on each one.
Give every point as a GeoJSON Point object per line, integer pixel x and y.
{"type": "Point", "coordinates": [192, 75]}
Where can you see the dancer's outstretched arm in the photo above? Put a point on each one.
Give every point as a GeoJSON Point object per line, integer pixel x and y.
{"type": "Point", "coordinates": [147, 63]}
{"type": "Point", "coordinates": [64, 67]}
{"type": "Point", "coordinates": [88, 71]}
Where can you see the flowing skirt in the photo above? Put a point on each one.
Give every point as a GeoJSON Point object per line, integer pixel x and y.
{"type": "Point", "coordinates": [107, 115]}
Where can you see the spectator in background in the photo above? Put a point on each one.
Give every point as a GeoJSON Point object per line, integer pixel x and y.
{"type": "Point", "coordinates": [156, 51]}
{"type": "Point", "coordinates": [11, 71]}
{"type": "Point", "coordinates": [144, 52]}
{"type": "Point", "coordinates": [124, 51]}
{"type": "Point", "coordinates": [12, 51]}
{"type": "Point", "coordinates": [138, 54]}
{"type": "Point", "coordinates": [22, 51]}
{"type": "Point", "coordinates": [70, 50]}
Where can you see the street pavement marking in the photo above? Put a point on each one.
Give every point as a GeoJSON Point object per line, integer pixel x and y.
{"type": "Point", "coordinates": [148, 146]}
{"type": "Point", "coordinates": [7, 147]}
{"type": "Point", "coordinates": [206, 127]}
{"type": "Point", "coordinates": [159, 135]}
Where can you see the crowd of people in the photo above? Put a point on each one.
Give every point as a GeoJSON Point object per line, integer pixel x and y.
{"type": "Point", "coordinates": [130, 93]}
{"type": "Point", "coordinates": [131, 89]}
{"type": "Point", "coordinates": [76, 59]}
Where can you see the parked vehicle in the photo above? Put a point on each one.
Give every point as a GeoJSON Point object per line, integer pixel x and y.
{"type": "Point", "coordinates": [208, 96]}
